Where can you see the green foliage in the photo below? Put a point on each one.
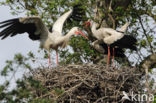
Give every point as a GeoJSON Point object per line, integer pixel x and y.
{"type": "Point", "coordinates": [13, 65]}
{"type": "Point", "coordinates": [154, 98]}
{"type": "Point", "coordinates": [23, 93]}
{"type": "Point", "coordinates": [7, 68]}
{"type": "Point", "coordinates": [143, 43]}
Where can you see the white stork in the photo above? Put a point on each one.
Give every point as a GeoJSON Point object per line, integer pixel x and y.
{"type": "Point", "coordinates": [38, 31]}
{"type": "Point", "coordinates": [112, 38]}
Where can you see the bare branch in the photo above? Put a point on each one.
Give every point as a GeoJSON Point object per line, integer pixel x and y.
{"type": "Point", "coordinates": [146, 35]}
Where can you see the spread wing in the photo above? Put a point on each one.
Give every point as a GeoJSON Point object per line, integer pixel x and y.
{"type": "Point", "coordinates": [32, 25]}
{"type": "Point", "coordinates": [124, 27]}
{"type": "Point", "coordinates": [76, 14]}
{"type": "Point", "coordinates": [58, 25]}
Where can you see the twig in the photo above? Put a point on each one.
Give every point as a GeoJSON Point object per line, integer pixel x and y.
{"type": "Point", "coordinates": [151, 48]}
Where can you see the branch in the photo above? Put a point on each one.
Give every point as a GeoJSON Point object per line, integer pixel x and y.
{"type": "Point", "coordinates": [112, 19]}
{"type": "Point", "coordinates": [149, 13]}
{"type": "Point", "coordinates": [122, 3]}
{"type": "Point", "coordinates": [149, 62]}
{"type": "Point", "coordinates": [110, 7]}
{"type": "Point", "coordinates": [145, 34]}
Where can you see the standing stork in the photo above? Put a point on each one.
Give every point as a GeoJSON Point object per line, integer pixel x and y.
{"type": "Point", "coordinates": [38, 31]}
{"type": "Point", "coordinates": [112, 38]}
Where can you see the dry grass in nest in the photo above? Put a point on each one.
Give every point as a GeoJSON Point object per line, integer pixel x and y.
{"type": "Point", "coordinates": [87, 83]}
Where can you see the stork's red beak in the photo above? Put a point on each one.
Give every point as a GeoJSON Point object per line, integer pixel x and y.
{"type": "Point", "coordinates": [86, 24]}
{"type": "Point", "coordinates": [80, 32]}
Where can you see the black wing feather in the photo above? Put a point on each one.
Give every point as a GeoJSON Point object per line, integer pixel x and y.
{"type": "Point", "coordinates": [10, 20]}
{"type": "Point", "coordinates": [127, 41]}
{"type": "Point", "coordinates": [6, 24]}
{"type": "Point", "coordinates": [78, 13]}
{"type": "Point", "coordinates": [14, 27]}
{"type": "Point", "coordinates": [119, 52]}
{"type": "Point", "coordinates": [7, 31]}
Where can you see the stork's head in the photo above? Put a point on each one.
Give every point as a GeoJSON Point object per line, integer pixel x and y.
{"type": "Point", "coordinates": [90, 23]}
{"type": "Point", "coordinates": [87, 24]}
{"type": "Point", "coordinates": [77, 31]}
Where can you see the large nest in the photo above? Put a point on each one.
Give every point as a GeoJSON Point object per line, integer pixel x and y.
{"type": "Point", "coordinates": [88, 83]}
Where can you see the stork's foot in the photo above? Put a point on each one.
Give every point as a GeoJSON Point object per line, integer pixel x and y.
{"type": "Point", "coordinates": [113, 67]}
{"type": "Point", "coordinates": [50, 66]}
{"type": "Point", "coordinates": [49, 60]}
{"type": "Point", "coordinates": [57, 58]}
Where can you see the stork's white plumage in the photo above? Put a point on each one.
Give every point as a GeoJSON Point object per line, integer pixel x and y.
{"type": "Point", "coordinates": [124, 27]}
{"type": "Point", "coordinates": [112, 38]}
{"type": "Point", "coordinates": [38, 31]}
{"type": "Point", "coordinates": [107, 35]}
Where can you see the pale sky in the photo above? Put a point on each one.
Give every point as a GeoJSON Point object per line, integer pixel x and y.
{"type": "Point", "coordinates": [17, 44]}
{"type": "Point", "coordinates": [13, 45]}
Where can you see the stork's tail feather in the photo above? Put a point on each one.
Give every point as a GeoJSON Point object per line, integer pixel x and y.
{"type": "Point", "coordinates": [127, 41]}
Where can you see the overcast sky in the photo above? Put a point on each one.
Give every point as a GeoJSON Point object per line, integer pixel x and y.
{"type": "Point", "coordinates": [17, 44]}
{"type": "Point", "coordinates": [12, 45]}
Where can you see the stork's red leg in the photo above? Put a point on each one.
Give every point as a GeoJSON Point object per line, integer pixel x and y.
{"type": "Point", "coordinates": [49, 59]}
{"type": "Point", "coordinates": [108, 57]}
{"type": "Point", "coordinates": [57, 58]}
{"type": "Point", "coordinates": [109, 53]}
{"type": "Point", "coordinates": [113, 55]}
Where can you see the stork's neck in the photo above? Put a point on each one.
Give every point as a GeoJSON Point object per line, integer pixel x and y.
{"type": "Point", "coordinates": [93, 28]}
{"type": "Point", "coordinates": [69, 34]}
{"type": "Point", "coordinates": [64, 39]}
